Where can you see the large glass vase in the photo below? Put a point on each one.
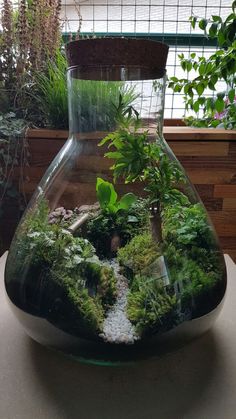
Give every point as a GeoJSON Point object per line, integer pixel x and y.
{"type": "Point", "coordinates": [115, 258]}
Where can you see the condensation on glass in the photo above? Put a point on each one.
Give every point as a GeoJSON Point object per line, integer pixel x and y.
{"type": "Point", "coordinates": [115, 258]}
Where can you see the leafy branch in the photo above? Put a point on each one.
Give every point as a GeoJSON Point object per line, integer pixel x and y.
{"type": "Point", "coordinates": [138, 159]}
{"type": "Point", "coordinates": [208, 72]}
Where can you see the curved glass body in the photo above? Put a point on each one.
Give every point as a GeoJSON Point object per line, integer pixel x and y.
{"type": "Point", "coordinates": [115, 258]}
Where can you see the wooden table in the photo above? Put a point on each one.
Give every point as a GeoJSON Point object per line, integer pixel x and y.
{"type": "Point", "coordinates": [196, 382]}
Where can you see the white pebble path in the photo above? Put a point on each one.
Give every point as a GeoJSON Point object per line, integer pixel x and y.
{"type": "Point", "coordinates": [116, 327]}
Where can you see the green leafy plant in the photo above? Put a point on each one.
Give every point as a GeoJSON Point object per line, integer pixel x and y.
{"type": "Point", "coordinates": [118, 221]}
{"type": "Point", "coordinates": [220, 108]}
{"type": "Point", "coordinates": [107, 198]}
{"type": "Point", "coordinates": [187, 226]}
{"type": "Point", "coordinates": [136, 158]}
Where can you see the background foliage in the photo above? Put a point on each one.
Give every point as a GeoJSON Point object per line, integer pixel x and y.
{"type": "Point", "coordinates": [220, 108]}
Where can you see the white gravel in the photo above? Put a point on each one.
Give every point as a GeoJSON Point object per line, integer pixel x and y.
{"type": "Point", "coordinates": [116, 327]}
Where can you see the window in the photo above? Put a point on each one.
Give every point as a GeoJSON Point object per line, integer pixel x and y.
{"type": "Point", "coordinates": [164, 20]}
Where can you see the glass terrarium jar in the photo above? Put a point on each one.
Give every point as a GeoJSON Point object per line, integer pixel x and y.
{"type": "Point", "coordinates": [115, 258]}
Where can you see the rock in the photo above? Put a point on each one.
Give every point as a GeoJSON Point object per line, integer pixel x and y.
{"type": "Point", "coordinates": [117, 328]}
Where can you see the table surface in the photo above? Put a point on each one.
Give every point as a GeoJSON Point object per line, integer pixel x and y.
{"type": "Point", "coordinates": [195, 382]}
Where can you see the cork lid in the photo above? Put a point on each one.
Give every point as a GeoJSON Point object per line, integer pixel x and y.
{"type": "Point", "coordinates": [150, 56]}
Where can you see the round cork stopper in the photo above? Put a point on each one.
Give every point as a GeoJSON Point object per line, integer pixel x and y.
{"type": "Point", "coordinates": [122, 52]}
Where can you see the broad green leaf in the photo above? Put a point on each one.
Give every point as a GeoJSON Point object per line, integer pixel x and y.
{"type": "Point", "coordinates": [221, 37]}
{"type": "Point", "coordinates": [202, 68]}
{"type": "Point", "coordinates": [215, 122]}
{"type": "Point", "coordinates": [126, 201]}
{"type": "Point", "coordinates": [230, 17]}
{"type": "Point", "coordinates": [211, 85]}
{"type": "Point", "coordinates": [174, 79]}
{"type": "Point", "coordinates": [214, 79]}
{"type": "Point", "coordinates": [109, 137]}
{"type": "Point", "coordinates": [196, 106]}
{"type": "Point", "coordinates": [213, 30]}
{"type": "Point", "coordinates": [186, 89]}
{"type": "Point", "coordinates": [189, 65]}
{"type": "Point", "coordinates": [106, 193]}
{"type": "Point", "coordinates": [219, 105]}
{"type": "Point", "coordinates": [210, 104]}
{"type": "Point", "coordinates": [200, 88]}
{"type": "Point", "coordinates": [177, 88]}
{"type": "Point", "coordinates": [231, 95]}
{"type": "Point", "coordinates": [203, 24]}
{"type": "Point", "coordinates": [193, 20]}
{"type": "Point", "coordinates": [183, 65]}
{"type": "Point", "coordinates": [113, 155]}
{"type": "Point", "coordinates": [216, 18]}
{"type": "Point", "coordinates": [112, 209]}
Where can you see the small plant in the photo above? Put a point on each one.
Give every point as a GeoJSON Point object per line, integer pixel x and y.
{"type": "Point", "coordinates": [138, 159]}
{"type": "Point", "coordinates": [107, 198]}
{"type": "Point", "coordinates": [118, 220]}
{"type": "Point", "coordinates": [220, 108]}
{"type": "Point", "coordinates": [186, 226]}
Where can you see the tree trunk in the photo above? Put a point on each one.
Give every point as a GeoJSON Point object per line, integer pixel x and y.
{"type": "Point", "coordinates": [155, 220]}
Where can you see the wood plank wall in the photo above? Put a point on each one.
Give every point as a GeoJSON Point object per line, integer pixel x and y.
{"type": "Point", "coordinates": [208, 156]}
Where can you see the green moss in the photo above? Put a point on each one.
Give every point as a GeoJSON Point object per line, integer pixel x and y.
{"type": "Point", "coordinates": [100, 281]}
{"type": "Point", "coordinates": [196, 274]}
{"type": "Point", "coordinates": [107, 286]}
{"type": "Point", "coordinates": [193, 278]}
{"type": "Point", "coordinates": [139, 253]}
{"type": "Point", "coordinates": [187, 226]}
{"type": "Point", "coordinates": [67, 268]}
{"type": "Point", "coordinates": [149, 306]}
{"type": "Point", "coordinates": [84, 310]}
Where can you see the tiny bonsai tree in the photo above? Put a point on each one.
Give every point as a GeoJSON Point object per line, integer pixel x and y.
{"type": "Point", "coordinates": [136, 158]}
